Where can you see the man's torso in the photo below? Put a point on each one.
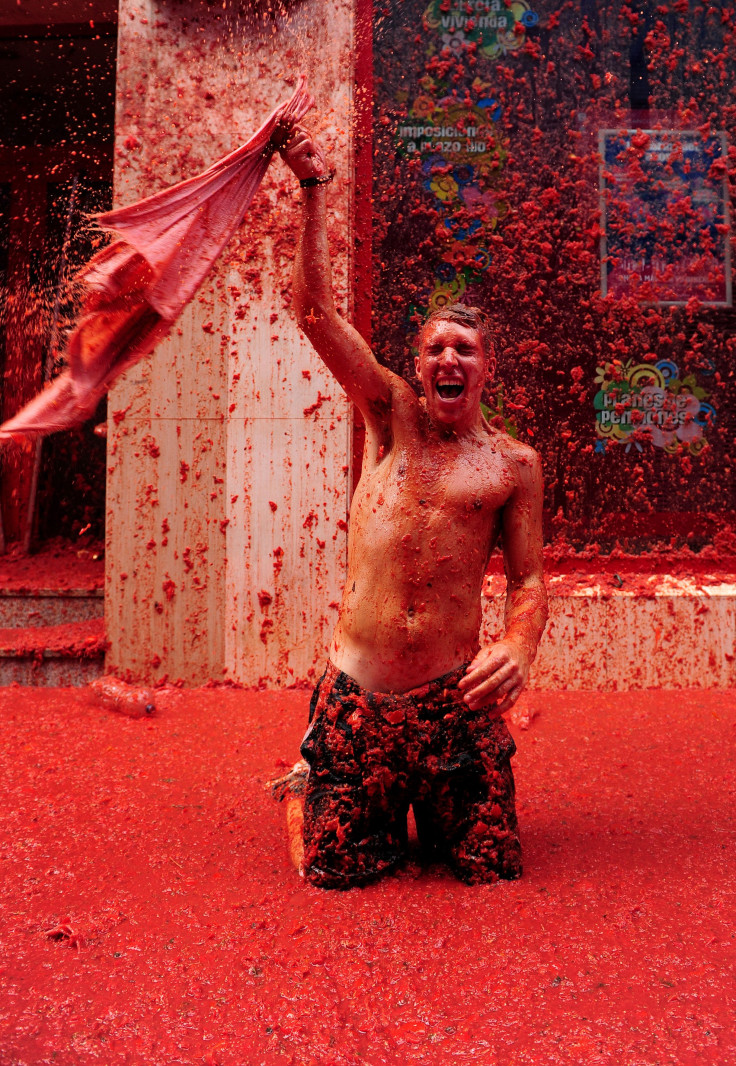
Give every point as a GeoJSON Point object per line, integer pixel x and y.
{"type": "Point", "coordinates": [424, 519]}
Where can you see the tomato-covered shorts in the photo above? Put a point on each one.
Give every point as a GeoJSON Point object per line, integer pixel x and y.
{"type": "Point", "coordinates": [373, 754]}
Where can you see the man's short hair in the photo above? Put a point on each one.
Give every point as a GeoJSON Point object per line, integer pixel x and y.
{"type": "Point", "coordinates": [464, 315]}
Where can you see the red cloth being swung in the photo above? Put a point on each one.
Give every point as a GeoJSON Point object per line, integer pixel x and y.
{"type": "Point", "coordinates": [138, 285]}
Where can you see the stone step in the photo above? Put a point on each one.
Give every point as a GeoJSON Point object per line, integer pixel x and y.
{"type": "Point", "coordinates": [70, 653]}
{"type": "Point", "coordinates": [48, 607]}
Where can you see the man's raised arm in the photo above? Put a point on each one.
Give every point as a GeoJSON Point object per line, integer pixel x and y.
{"type": "Point", "coordinates": [337, 343]}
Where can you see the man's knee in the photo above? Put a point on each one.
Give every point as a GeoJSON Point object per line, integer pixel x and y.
{"type": "Point", "coordinates": [346, 841]}
{"type": "Point", "coordinates": [487, 859]}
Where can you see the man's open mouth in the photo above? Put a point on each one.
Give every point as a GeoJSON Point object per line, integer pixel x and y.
{"type": "Point", "coordinates": [449, 390]}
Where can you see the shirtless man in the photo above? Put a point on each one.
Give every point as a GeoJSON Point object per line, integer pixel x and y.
{"type": "Point", "coordinates": [409, 710]}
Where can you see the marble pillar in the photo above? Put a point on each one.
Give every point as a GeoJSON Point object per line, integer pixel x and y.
{"type": "Point", "coordinates": [229, 449]}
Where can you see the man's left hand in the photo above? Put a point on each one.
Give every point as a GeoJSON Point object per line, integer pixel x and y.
{"type": "Point", "coordinates": [496, 677]}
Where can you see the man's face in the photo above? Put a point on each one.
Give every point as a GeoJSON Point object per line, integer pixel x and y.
{"type": "Point", "coordinates": [452, 368]}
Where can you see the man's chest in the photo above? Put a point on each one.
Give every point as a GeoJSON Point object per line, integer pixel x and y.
{"type": "Point", "coordinates": [430, 492]}
{"type": "Point", "coordinates": [455, 483]}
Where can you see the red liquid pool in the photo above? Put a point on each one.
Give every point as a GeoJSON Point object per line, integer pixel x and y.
{"type": "Point", "coordinates": [151, 914]}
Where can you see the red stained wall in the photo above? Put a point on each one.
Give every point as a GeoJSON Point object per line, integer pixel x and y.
{"type": "Point", "coordinates": [57, 91]}
{"type": "Point", "coordinates": [500, 205]}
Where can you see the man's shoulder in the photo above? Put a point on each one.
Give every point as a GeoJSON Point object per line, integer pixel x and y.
{"type": "Point", "coordinates": [514, 449]}
{"type": "Point", "coordinates": [524, 453]}
{"type": "Point", "coordinates": [405, 404]}
{"type": "Point", "coordinates": [400, 388]}
{"type": "Point", "coordinates": [396, 408]}
{"type": "Point", "coordinates": [522, 458]}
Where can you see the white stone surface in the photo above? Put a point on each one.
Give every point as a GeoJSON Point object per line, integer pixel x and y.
{"type": "Point", "coordinates": [678, 634]}
{"type": "Point", "coordinates": [234, 412]}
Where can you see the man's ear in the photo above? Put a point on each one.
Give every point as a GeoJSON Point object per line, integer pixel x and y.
{"type": "Point", "coordinates": [417, 369]}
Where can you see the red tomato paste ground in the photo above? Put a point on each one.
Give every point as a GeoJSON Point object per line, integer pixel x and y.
{"type": "Point", "coordinates": [151, 915]}
{"type": "Point", "coordinates": [59, 566]}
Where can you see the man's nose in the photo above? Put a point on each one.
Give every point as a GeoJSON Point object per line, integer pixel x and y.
{"type": "Point", "coordinates": [448, 356]}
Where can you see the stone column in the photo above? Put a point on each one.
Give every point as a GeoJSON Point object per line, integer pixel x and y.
{"type": "Point", "coordinates": [228, 450]}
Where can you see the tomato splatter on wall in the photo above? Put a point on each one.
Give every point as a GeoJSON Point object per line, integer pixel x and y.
{"type": "Point", "coordinates": [57, 111]}
{"type": "Point", "coordinates": [487, 187]}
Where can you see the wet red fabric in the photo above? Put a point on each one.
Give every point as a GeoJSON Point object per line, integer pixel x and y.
{"type": "Point", "coordinates": [138, 285]}
{"type": "Point", "coordinates": [373, 754]}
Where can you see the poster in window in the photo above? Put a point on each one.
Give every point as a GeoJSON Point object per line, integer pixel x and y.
{"type": "Point", "coordinates": [665, 216]}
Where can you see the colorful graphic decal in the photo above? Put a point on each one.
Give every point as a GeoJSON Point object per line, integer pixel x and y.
{"type": "Point", "coordinates": [663, 203]}
{"type": "Point", "coordinates": [452, 129]}
{"type": "Point", "coordinates": [492, 26]}
{"type": "Point", "coordinates": [650, 403]}
{"type": "Point", "coordinates": [461, 159]}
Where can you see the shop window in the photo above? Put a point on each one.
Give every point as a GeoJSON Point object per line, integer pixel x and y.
{"type": "Point", "coordinates": [491, 183]}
